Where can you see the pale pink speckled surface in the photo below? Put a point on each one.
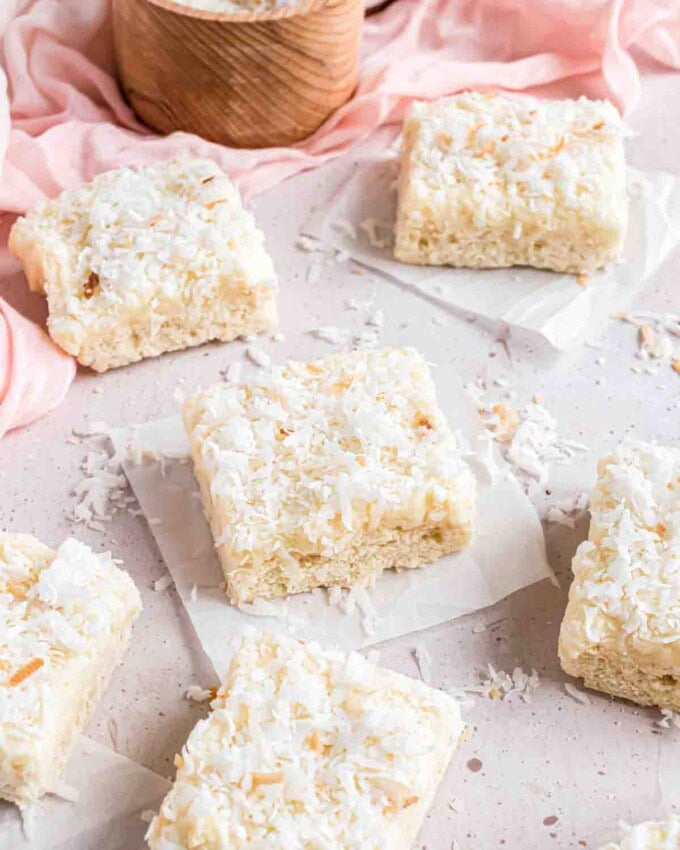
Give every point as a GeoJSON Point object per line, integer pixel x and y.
{"type": "Point", "coordinates": [588, 766]}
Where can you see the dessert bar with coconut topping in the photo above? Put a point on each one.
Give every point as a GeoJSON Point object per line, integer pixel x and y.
{"type": "Point", "coordinates": [309, 748]}
{"type": "Point", "coordinates": [142, 261]}
{"type": "Point", "coordinates": [326, 473]}
{"type": "Point", "coordinates": [65, 620]}
{"type": "Point", "coordinates": [621, 629]}
{"type": "Point", "coordinates": [493, 180]}
{"type": "Point", "coordinates": [652, 835]}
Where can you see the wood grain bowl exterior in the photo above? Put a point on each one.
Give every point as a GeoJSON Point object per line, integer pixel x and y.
{"type": "Point", "coordinates": [245, 79]}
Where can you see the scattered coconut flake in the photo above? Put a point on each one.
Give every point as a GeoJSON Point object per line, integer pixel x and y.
{"type": "Point", "coordinates": [332, 335]}
{"type": "Point", "coordinates": [232, 374]}
{"type": "Point", "coordinates": [653, 344]}
{"type": "Point", "coordinates": [147, 815]}
{"type": "Point", "coordinates": [334, 596]}
{"type": "Point", "coordinates": [102, 491]}
{"type": "Point", "coordinates": [507, 423]}
{"type": "Point", "coordinates": [530, 446]}
{"type": "Point", "coordinates": [657, 336]}
{"type": "Point", "coordinates": [345, 227]}
{"type": "Point", "coordinates": [372, 227]}
{"type": "Point", "coordinates": [313, 273]}
{"type": "Point", "coordinates": [198, 694]}
{"type": "Point", "coordinates": [568, 511]}
{"type": "Point", "coordinates": [457, 805]}
{"type": "Point", "coordinates": [501, 685]}
{"type": "Point", "coordinates": [309, 244]}
{"type": "Point", "coordinates": [163, 583]}
{"type": "Point", "coordinates": [193, 593]}
{"type": "Point", "coordinates": [373, 656]}
{"type": "Point", "coordinates": [576, 694]}
{"type": "Point", "coordinates": [93, 429]}
{"type": "Point", "coordinates": [668, 719]}
{"type": "Point", "coordinates": [258, 356]}
{"type": "Point", "coordinates": [536, 444]}
{"type": "Point", "coordinates": [461, 696]}
{"type": "Point", "coordinates": [29, 815]}
{"type": "Point", "coordinates": [366, 608]}
{"type": "Point", "coordinates": [376, 319]}
{"type": "Point", "coordinates": [424, 662]}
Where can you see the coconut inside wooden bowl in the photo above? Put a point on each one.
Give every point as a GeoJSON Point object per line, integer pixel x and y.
{"type": "Point", "coordinates": [244, 79]}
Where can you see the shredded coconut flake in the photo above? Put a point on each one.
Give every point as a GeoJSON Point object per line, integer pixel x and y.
{"type": "Point", "coordinates": [424, 662]}
{"type": "Point", "coordinates": [258, 356]}
{"type": "Point", "coordinates": [501, 685]}
{"type": "Point", "coordinates": [196, 693]}
{"type": "Point", "coordinates": [162, 583]}
{"type": "Point", "coordinates": [372, 228]}
{"type": "Point", "coordinates": [576, 694]}
{"type": "Point", "coordinates": [332, 335]}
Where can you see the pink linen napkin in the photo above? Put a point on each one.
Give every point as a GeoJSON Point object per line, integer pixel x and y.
{"type": "Point", "coordinates": [69, 121]}
{"type": "Point", "coordinates": [35, 374]}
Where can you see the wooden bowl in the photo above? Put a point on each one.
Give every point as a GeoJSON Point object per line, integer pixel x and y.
{"type": "Point", "coordinates": [242, 79]}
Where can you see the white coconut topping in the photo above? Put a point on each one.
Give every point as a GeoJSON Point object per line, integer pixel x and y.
{"type": "Point", "coordinates": [309, 748]}
{"type": "Point", "coordinates": [516, 165]}
{"type": "Point", "coordinates": [652, 835]}
{"type": "Point", "coordinates": [306, 458]}
{"type": "Point", "coordinates": [144, 246]}
{"type": "Point", "coordinates": [62, 614]}
{"type": "Point", "coordinates": [625, 597]}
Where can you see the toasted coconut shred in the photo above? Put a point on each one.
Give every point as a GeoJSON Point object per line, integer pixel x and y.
{"type": "Point", "coordinates": [658, 339]}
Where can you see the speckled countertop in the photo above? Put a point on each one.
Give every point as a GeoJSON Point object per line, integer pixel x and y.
{"type": "Point", "coordinates": [552, 773]}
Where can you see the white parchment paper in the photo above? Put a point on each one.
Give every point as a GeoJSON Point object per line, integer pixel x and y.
{"type": "Point", "coordinates": [508, 552]}
{"type": "Point", "coordinates": [556, 306]}
{"type": "Point", "coordinates": [112, 792]}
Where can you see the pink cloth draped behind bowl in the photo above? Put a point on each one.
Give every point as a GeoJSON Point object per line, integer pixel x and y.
{"type": "Point", "coordinates": [69, 121]}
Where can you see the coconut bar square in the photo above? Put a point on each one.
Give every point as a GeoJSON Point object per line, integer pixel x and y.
{"type": "Point", "coordinates": [65, 620]}
{"type": "Point", "coordinates": [492, 180]}
{"type": "Point", "coordinates": [143, 261]}
{"type": "Point", "coordinates": [309, 748]}
{"type": "Point", "coordinates": [621, 629]}
{"type": "Point", "coordinates": [326, 473]}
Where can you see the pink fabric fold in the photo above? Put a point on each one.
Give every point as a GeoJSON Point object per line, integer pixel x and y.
{"type": "Point", "coordinates": [69, 120]}
{"type": "Point", "coordinates": [36, 373]}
